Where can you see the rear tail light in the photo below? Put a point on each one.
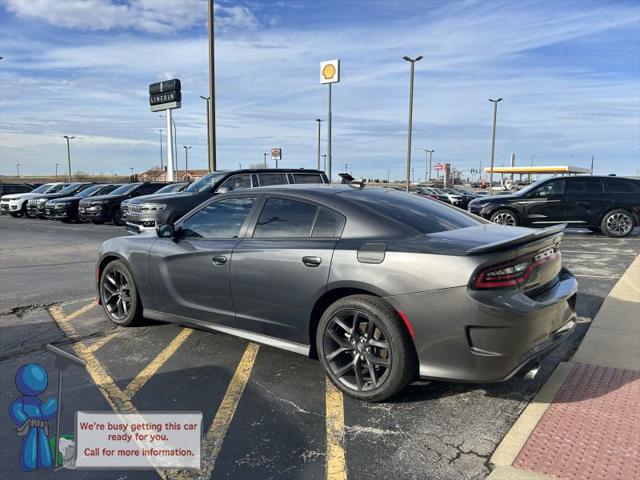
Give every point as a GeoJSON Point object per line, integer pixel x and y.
{"type": "Point", "coordinates": [516, 272]}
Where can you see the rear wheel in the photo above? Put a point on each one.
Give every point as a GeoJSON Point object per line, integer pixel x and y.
{"type": "Point", "coordinates": [119, 295]}
{"type": "Point", "coordinates": [505, 217]}
{"type": "Point", "coordinates": [365, 349]}
{"type": "Point", "coordinates": [617, 223]}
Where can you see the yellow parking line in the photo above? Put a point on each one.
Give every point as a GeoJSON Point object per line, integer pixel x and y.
{"type": "Point", "coordinates": [80, 311]}
{"type": "Point", "coordinates": [336, 467]}
{"type": "Point", "coordinates": [212, 442]}
{"type": "Point", "coordinates": [150, 370]}
{"type": "Point", "coordinates": [97, 345]}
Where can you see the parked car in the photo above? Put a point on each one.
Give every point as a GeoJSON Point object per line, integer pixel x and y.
{"type": "Point", "coordinates": [607, 204]}
{"type": "Point", "coordinates": [464, 196]}
{"type": "Point", "coordinates": [65, 209]}
{"type": "Point", "coordinates": [35, 205]}
{"type": "Point", "coordinates": [106, 208]}
{"type": "Point", "coordinates": [146, 213]}
{"type": "Point", "coordinates": [11, 188]}
{"type": "Point", "coordinates": [383, 287]}
{"type": "Point", "coordinates": [16, 204]}
{"type": "Point", "coordinates": [170, 188]}
{"type": "Point", "coordinates": [434, 193]}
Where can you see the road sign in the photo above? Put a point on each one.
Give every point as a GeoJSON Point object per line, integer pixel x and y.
{"type": "Point", "coordinates": [165, 95]}
{"type": "Point", "coordinates": [438, 166]}
{"type": "Point", "coordinates": [276, 154]}
{"type": "Point", "coordinates": [330, 71]}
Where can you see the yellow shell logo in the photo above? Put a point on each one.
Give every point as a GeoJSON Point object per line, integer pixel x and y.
{"type": "Point", "coordinates": [328, 71]}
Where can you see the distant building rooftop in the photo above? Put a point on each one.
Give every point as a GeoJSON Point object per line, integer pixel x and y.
{"type": "Point", "coordinates": [555, 169]}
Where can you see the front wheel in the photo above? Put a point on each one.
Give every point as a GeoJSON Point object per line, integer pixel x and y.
{"type": "Point", "coordinates": [365, 349]}
{"type": "Point", "coordinates": [505, 217]}
{"type": "Point", "coordinates": [617, 223]}
{"type": "Point", "coordinates": [119, 295]}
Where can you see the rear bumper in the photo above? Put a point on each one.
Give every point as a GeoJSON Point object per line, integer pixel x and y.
{"type": "Point", "coordinates": [488, 336]}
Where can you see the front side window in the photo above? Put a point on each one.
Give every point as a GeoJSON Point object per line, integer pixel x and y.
{"type": "Point", "coordinates": [237, 182]}
{"type": "Point", "coordinates": [125, 189]}
{"type": "Point", "coordinates": [550, 188]}
{"type": "Point", "coordinates": [584, 185]}
{"type": "Point", "coordinates": [281, 217]}
{"type": "Point", "coordinates": [57, 188]}
{"type": "Point", "coordinates": [265, 179]}
{"type": "Point", "coordinates": [222, 219]}
{"type": "Point", "coordinates": [205, 183]}
{"type": "Point", "coordinates": [307, 178]}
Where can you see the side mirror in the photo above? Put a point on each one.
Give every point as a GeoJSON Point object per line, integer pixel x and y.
{"type": "Point", "coordinates": [222, 190]}
{"type": "Point", "coordinates": [166, 230]}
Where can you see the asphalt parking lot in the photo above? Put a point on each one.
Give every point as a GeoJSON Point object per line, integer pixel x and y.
{"type": "Point", "coordinates": [267, 413]}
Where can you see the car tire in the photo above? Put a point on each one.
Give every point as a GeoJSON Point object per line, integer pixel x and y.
{"type": "Point", "coordinates": [617, 223]}
{"type": "Point", "coordinates": [119, 295]}
{"type": "Point", "coordinates": [351, 339]}
{"type": "Point", "coordinates": [116, 217]}
{"type": "Point", "coordinates": [97, 222]}
{"type": "Point", "coordinates": [505, 217]}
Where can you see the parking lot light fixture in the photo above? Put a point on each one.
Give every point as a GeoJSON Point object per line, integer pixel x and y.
{"type": "Point", "coordinates": [68, 155]}
{"type": "Point", "coordinates": [319, 120]}
{"type": "Point", "coordinates": [493, 141]}
{"type": "Point", "coordinates": [208, 106]}
{"type": "Point", "coordinates": [412, 61]}
{"type": "Point", "coordinates": [186, 158]}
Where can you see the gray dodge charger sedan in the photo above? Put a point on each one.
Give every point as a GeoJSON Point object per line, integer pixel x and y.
{"type": "Point", "coordinates": [382, 286]}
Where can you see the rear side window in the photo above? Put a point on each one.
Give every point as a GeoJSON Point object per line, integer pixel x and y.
{"type": "Point", "coordinates": [237, 182]}
{"type": "Point", "coordinates": [420, 213]}
{"type": "Point", "coordinates": [583, 185]}
{"type": "Point", "coordinates": [623, 185]}
{"type": "Point", "coordinates": [328, 224]}
{"type": "Point", "coordinates": [222, 219]}
{"type": "Point", "coordinates": [281, 217]}
{"type": "Point", "coordinates": [265, 179]}
{"type": "Point", "coordinates": [307, 178]}
{"type": "Point", "coordinates": [149, 188]}
{"type": "Point", "coordinates": [549, 188]}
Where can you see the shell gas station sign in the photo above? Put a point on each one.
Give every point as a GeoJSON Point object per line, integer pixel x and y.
{"type": "Point", "coordinates": [330, 71]}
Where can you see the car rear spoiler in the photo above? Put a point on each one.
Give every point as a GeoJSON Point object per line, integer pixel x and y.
{"type": "Point", "coordinates": [516, 241]}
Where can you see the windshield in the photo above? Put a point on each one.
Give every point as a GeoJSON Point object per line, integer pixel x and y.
{"type": "Point", "coordinates": [87, 192]}
{"type": "Point", "coordinates": [204, 183]}
{"type": "Point", "coordinates": [174, 187]}
{"type": "Point", "coordinates": [530, 187]}
{"type": "Point", "coordinates": [42, 188]}
{"type": "Point", "coordinates": [126, 188]}
{"type": "Point", "coordinates": [71, 188]}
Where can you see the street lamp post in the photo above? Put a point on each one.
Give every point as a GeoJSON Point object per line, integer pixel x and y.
{"type": "Point", "coordinates": [208, 107]}
{"type": "Point", "coordinates": [57, 171]}
{"type": "Point", "coordinates": [212, 89]}
{"type": "Point", "coordinates": [265, 159]}
{"type": "Point", "coordinates": [319, 120]}
{"type": "Point", "coordinates": [493, 141]}
{"type": "Point", "coordinates": [68, 155]}
{"type": "Point", "coordinates": [186, 158]}
{"type": "Point", "coordinates": [18, 168]}
{"type": "Point", "coordinates": [412, 61]}
{"type": "Point", "coordinates": [160, 132]}
{"type": "Point", "coordinates": [324, 157]}
{"type": "Point", "coordinates": [427, 159]}
{"type": "Point", "coordinates": [131, 168]}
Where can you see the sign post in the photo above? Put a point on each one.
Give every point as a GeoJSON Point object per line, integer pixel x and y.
{"type": "Point", "coordinates": [329, 73]}
{"type": "Point", "coordinates": [167, 95]}
{"type": "Point", "coordinates": [276, 154]}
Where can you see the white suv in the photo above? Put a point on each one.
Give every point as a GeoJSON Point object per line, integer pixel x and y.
{"type": "Point", "coordinates": [16, 204]}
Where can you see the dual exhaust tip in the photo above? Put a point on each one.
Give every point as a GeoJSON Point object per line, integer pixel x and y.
{"type": "Point", "coordinates": [531, 374]}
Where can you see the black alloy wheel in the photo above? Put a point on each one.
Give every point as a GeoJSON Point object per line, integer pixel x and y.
{"type": "Point", "coordinates": [118, 294]}
{"type": "Point", "coordinates": [617, 223]}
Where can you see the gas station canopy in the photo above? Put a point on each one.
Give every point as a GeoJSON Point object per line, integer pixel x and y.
{"type": "Point", "coordinates": [557, 169]}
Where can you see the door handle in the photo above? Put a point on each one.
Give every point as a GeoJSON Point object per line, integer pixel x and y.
{"type": "Point", "coordinates": [219, 259]}
{"type": "Point", "coordinates": [311, 261]}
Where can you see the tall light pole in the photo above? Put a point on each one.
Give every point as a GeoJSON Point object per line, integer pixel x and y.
{"type": "Point", "coordinates": [68, 155]}
{"type": "Point", "coordinates": [427, 159]}
{"type": "Point", "coordinates": [325, 162]}
{"type": "Point", "coordinates": [206, 99]}
{"type": "Point", "coordinates": [265, 159]}
{"type": "Point", "coordinates": [131, 168]}
{"type": "Point", "coordinates": [319, 120]}
{"type": "Point", "coordinates": [592, 164]}
{"type": "Point", "coordinates": [493, 141]}
{"type": "Point", "coordinates": [412, 61]}
{"type": "Point", "coordinates": [212, 90]}
{"type": "Point", "coordinates": [160, 132]}
{"type": "Point", "coordinates": [18, 168]}
{"type": "Point", "coordinates": [57, 171]}
{"type": "Point", "coordinates": [186, 158]}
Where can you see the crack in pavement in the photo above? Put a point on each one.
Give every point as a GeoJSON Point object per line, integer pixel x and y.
{"type": "Point", "coordinates": [284, 400]}
{"type": "Point", "coordinates": [21, 310]}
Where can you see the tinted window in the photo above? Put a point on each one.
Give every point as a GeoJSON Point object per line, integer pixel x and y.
{"type": "Point", "coordinates": [221, 219]}
{"type": "Point", "coordinates": [56, 188]}
{"type": "Point", "coordinates": [328, 224]}
{"type": "Point", "coordinates": [149, 188]}
{"type": "Point", "coordinates": [307, 178]}
{"type": "Point", "coordinates": [552, 187]}
{"type": "Point", "coordinates": [87, 192]}
{"type": "Point", "coordinates": [583, 185]}
{"type": "Point", "coordinates": [237, 182]}
{"type": "Point", "coordinates": [74, 187]}
{"type": "Point", "coordinates": [205, 183]}
{"type": "Point", "coordinates": [272, 179]}
{"type": "Point", "coordinates": [285, 218]}
{"type": "Point", "coordinates": [41, 188]}
{"type": "Point", "coordinates": [420, 213]}
{"type": "Point", "coordinates": [124, 189]}
{"type": "Point", "coordinates": [172, 187]}
{"type": "Point", "coordinates": [623, 185]}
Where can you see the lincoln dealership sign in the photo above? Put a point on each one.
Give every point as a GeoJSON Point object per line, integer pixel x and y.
{"type": "Point", "coordinates": [165, 95]}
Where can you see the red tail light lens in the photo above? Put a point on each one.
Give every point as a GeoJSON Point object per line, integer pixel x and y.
{"type": "Point", "coordinates": [516, 272]}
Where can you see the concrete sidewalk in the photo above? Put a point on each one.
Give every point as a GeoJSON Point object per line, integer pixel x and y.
{"type": "Point", "coordinates": [585, 421]}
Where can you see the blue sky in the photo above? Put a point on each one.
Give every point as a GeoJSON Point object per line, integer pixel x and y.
{"type": "Point", "coordinates": [569, 73]}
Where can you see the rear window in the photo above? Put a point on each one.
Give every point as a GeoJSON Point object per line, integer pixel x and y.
{"type": "Point", "coordinates": [583, 185]}
{"type": "Point", "coordinates": [265, 179]}
{"type": "Point", "coordinates": [307, 178]}
{"type": "Point", "coordinates": [623, 185]}
{"type": "Point", "coordinates": [420, 213]}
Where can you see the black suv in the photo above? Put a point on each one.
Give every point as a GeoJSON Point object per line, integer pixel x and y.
{"type": "Point", "coordinates": [65, 209]}
{"type": "Point", "coordinates": [35, 205]}
{"type": "Point", "coordinates": [146, 213]}
{"type": "Point", "coordinates": [106, 208]}
{"type": "Point", "coordinates": [607, 204]}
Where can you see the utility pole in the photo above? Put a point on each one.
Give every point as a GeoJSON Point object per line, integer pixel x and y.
{"type": "Point", "coordinates": [186, 158]}
{"type": "Point", "coordinates": [427, 159]}
{"type": "Point", "coordinates": [319, 120]}
{"type": "Point", "coordinates": [592, 164]}
{"type": "Point", "coordinates": [212, 90]}
{"type": "Point", "coordinates": [206, 99]}
{"type": "Point", "coordinates": [325, 162]}
{"type": "Point", "coordinates": [57, 171]}
{"type": "Point", "coordinates": [493, 142]}
{"type": "Point", "coordinates": [68, 155]}
{"type": "Point", "coordinates": [18, 168]}
{"type": "Point", "coordinates": [412, 61]}
{"type": "Point", "coordinates": [265, 159]}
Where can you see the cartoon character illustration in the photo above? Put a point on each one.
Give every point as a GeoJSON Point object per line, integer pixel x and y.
{"type": "Point", "coordinates": [30, 414]}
